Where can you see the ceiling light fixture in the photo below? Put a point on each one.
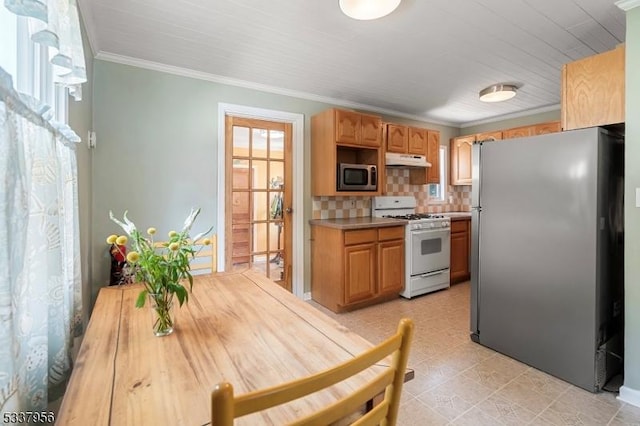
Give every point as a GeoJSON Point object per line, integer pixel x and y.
{"type": "Point", "coordinates": [498, 93]}
{"type": "Point", "coordinates": [365, 10]}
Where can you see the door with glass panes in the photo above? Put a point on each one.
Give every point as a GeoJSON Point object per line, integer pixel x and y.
{"type": "Point", "coordinates": [258, 210]}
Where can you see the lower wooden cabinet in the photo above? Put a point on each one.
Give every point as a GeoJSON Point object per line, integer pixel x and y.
{"type": "Point", "coordinates": [360, 272]}
{"type": "Point", "coordinates": [356, 267]}
{"type": "Point", "coordinates": [460, 249]}
{"type": "Point", "coordinates": [391, 266]}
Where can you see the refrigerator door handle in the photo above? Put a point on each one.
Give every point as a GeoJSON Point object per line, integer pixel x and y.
{"type": "Point", "coordinates": [476, 209]}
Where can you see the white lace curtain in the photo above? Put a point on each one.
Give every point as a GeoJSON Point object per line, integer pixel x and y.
{"type": "Point", "coordinates": [56, 24]}
{"type": "Point", "coordinates": [40, 288]}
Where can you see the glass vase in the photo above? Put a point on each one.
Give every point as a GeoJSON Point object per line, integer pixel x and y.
{"type": "Point", "coordinates": [162, 316]}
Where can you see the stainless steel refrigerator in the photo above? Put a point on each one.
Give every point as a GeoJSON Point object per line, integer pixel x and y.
{"type": "Point", "coordinates": [547, 252]}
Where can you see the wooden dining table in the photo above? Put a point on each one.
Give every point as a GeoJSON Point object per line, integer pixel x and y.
{"type": "Point", "coordinates": [237, 327]}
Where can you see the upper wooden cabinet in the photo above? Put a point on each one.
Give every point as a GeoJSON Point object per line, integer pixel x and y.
{"type": "Point", "coordinates": [354, 128]}
{"type": "Point", "coordinates": [339, 136]}
{"type": "Point", "coordinates": [433, 156]}
{"type": "Point", "coordinates": [544, 128]}
{"type": "Point", "coordinates": [417, 141]}
{"type": "Point", "coordinates": [397, 138]}
{"type": "Point", "coordinates": [371, 128]}
{"type": "Point", "coordinates": [593, 90]}
{"type": "Point", "coordinates": [405, 139]}
{"type": "Point", "coordinates": [489, 136]}
{"type": "Point", "coordinates": [427, 175]}
{"type": "Point", "coordinates": [347, 127]}
{"type": "Point", "coordinates": [533, 130]}
{"type": "Point", "coordinates": [460, 149]}
{"type": "Point", "coordinates": [517, 132]}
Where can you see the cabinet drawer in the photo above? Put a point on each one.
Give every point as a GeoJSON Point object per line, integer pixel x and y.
{"type": "Point", "coordinates": [391, 233]}
{"type": "Point", "coordinates": [359, 236]}
{"type": "Point", "coordinates": [459, 225]}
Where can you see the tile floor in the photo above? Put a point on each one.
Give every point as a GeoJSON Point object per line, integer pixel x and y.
{"type": "Point", "coordinates": [459, 382]}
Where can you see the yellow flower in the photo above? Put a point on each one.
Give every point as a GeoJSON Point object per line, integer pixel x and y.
{"type": "Point", "coordinates": [151, 231]}
{"type": "Point", "coordinates": [174, 246]}
{"type": "Point", "coordinates": [133, 257]}
{"type": "Point", "coordinates": [206, 241]}
{"type": "Point", "coordinates": [172, 234]}
{"type": "Point", "coordinates": [112, 239]}
{"type": "Point", "coordinates": [121, 240]}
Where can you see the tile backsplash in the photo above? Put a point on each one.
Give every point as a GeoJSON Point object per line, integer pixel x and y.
{"type": "Point", "coordinates": [458, 199]}
{"type": "Point", "coordinates": [340, 207]}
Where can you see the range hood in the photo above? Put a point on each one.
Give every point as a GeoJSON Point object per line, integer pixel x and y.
{"type": "Point", "coordinates": [406, 160]}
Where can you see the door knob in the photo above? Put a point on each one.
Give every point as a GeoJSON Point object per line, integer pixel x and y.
{"type": "Point", "coordinates": [288, 210]}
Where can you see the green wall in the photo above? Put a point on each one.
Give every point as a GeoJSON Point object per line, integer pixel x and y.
{"type": "Point", "coordinates": [632, 213]}
{"type": "Point", "coordinates": [157, 147]}
{"type": "Point", "coordinates": [81, 121]}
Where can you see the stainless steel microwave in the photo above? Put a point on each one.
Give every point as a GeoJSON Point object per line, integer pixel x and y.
{"type": "Point", "coordinates": [357, 177]}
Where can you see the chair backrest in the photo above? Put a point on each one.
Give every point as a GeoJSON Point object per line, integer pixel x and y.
{"type": "Point", "coordinates": [206, 257]}
{"type": "Point", "coordinates": [225, 406]}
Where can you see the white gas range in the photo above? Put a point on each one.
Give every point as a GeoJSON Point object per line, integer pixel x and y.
{"type": "Point", "coordinates": [427, 244]}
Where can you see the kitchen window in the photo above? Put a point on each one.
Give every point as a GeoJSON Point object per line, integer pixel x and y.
{"type": "Point", "coordinates": [28, 63]}
{"type": "Point", "coordinates": [8, 35]}
{"type": "Point", "coordinates": [437, 191]}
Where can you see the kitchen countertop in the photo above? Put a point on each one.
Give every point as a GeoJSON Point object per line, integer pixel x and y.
{"type": "Point", "coordinates": [358, 222]}
{"type": "Point", "coordinates": [457, 215]}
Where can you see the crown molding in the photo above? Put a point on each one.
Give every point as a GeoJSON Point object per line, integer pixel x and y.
{"type": "Point", "coordinates": [186, 72]}
{"type": "Point", "coordinates": [627, 5]}
{"type": "Point", "coordinates": [555, 107]}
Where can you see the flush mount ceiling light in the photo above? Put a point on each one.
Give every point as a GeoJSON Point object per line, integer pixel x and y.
{"type": "Point", "coordinates": [365, 10]}
{"type": "Point", "coordinates": [498, 93]}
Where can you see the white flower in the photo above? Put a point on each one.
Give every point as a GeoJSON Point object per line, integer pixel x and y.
{"type": "Point", "coordinates": [128, 226]}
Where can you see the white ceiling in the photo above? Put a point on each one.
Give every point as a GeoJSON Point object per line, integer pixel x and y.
{"type": "Point", "coordinates": [428, 60]}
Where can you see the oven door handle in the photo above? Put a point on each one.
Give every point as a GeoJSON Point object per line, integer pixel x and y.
{"type": "Point", "coordinates": [431, 231]}
{"type": "Point", "coordinates": [431, 274]}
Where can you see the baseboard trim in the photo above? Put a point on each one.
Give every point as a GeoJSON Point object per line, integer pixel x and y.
{"type": "Point", "coordinates": [630, 396]}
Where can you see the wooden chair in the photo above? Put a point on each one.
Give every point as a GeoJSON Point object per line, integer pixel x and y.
{"type": "Point", "coordinates": [206, 258]}
{"type": "Point", "coordinates": [225, 407]}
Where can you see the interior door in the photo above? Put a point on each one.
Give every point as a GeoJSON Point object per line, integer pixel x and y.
{"type": "Point", "coordinates": [258, 216]}
{"type": "Point", "coordinates": [240, 217]}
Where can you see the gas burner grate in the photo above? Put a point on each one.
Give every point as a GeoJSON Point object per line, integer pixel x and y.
{"type": "Point", "coordinates": [415, 216]}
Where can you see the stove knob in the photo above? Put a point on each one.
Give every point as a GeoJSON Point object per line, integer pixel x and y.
{"type": "Point", "coordinates": [417, 226]}
{"type": "Point", "coordinates": [444, 224]}
{"type": "Point", "coordinates": [433, 225]}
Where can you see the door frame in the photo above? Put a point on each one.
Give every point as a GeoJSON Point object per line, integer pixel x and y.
{"type": "Point", "coordinates": [297, 144]}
